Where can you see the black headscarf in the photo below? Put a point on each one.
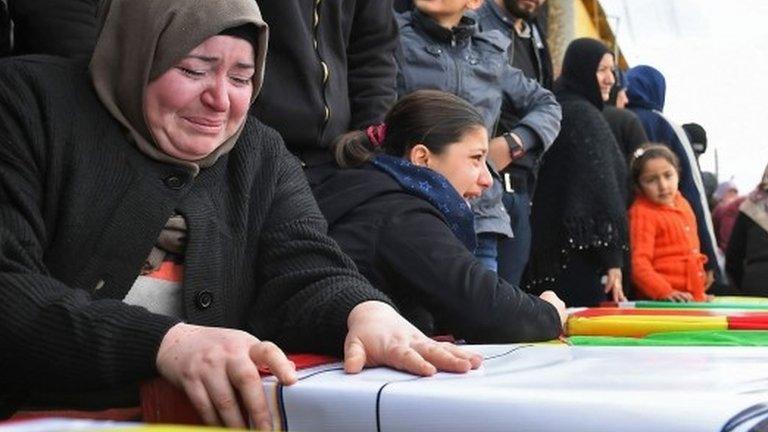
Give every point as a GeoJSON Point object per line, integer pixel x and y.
{"type": "Point", "coordinates": [580, 68]}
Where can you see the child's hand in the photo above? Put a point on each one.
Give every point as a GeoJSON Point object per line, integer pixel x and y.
{"type": "Point", "coordinates": [679, 296]}
{"type": "Point", "coordinates": [613, 285]}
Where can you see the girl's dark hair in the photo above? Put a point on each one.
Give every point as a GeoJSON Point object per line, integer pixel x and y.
{"type": "Point", "coordinates": [647, 152]}
{"type": "Point", "coordinates": [429, 117]}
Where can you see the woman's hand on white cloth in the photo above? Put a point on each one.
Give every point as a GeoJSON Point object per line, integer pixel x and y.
{"type": "Point", "coordinates": [552, 298]}
{"type": "Point", "coordinates": [217, 367]}
{"type": "Point", "coordinates": [613, 285]}
{"type": "Point", "coordinates": [379, 336]}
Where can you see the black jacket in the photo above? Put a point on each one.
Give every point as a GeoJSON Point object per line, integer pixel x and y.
{"type": "Point", "coordinates": [354, 42]}
{"type": "Point", "coordinates": [5, 30]}
{"type": "Point", "coordinates": [403, 245]}
{"type": "Point", "coordinates": [746, 259]}
{"type": "Point", "coordinates": [81, 207]}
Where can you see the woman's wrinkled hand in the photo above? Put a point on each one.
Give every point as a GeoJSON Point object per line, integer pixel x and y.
{"type": "Point", "coordinates": [379, 336]}
{"type": "Point", "coordinates": [218, 367]}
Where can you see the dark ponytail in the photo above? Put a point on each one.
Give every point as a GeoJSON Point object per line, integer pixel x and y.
{"type": "Point", "coordinates": [432, 118]}
{"type": "Point", "coordinates": [352, 149]}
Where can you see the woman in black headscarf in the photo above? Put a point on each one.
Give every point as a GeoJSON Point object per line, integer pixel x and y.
{"type": "Point", "coordinates": [149, 227]}
{"type": "Point", "coordinates": [578, 216]}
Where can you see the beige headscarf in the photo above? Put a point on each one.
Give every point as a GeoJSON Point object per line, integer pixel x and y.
{"type": "Point", "coordinates": [141, 39]}
{"type": "Point", "coordinates": [756, 204]}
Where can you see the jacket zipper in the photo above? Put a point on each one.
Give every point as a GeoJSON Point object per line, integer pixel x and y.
{"type": "Point", "coordinates": [455, 65]}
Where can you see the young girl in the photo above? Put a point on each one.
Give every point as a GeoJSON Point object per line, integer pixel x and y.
{"type": "Point", "coordinates": [400, 212]}
{"type": "Point", "coordinates": [667, 263]}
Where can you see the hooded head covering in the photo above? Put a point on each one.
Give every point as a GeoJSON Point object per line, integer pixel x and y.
{"type": "Point", "coordinates": [723, 188]}
{"type": "Point", "coordinates": [646, 88]}
{"type": "Point", "coordinates": [697, 136]}
{"type": "Point", "coordinates": [580, 68]}
{"type": "Point", "coordinates": [756, 204]}
{"type": "Point", "coordinates": [139, 40]}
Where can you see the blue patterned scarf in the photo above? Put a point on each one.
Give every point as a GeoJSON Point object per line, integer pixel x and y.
{"type": "Point", "coordinates": [433, 187]}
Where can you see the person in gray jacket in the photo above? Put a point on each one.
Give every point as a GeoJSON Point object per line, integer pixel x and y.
{"type": "Point", "coordinates": [441, 48]}
{"type": "Point", "coordinates": [529, 52]}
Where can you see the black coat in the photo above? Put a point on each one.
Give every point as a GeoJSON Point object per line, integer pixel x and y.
{"type": "Point", "coordinates": [5, 30]}
{"type": "Point", "coordinates": [81, 207]}
{"type": "Point", "coordinates": [746, 259]}
{"type": "Point", "coordinates": [579, 206]}
{"type": "Point", "coordinates": [355, 40]}
{"type": "Point", "coordinates": [404, 246]}
{"type": "Point", "coordinates": [627, 129]}
{"type": "Point", "coordinates": [59, 27]}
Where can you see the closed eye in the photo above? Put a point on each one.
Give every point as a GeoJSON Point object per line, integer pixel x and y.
{"type": "Point", "coordinates": [241, 81]}
{"type": "Point", "coordinates": [190, 72]}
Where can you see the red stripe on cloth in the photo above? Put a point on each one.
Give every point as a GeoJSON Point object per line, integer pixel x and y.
{"type": "Point", "coordinates": [162, 402]}
{"type": "Point", "coordinates": [169, 271]}
{"type": "Point", "coordinates": [750, 322]}
{"type": "Point", "coordinates": [116, 414]}
{"type": "Point", "coordinates": [303, 361]}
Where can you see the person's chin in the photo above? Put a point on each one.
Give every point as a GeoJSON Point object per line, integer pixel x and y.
{"type": "Point", "coordinates": [198, 149]}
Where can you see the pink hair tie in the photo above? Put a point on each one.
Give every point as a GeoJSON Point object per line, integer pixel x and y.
{"type": "Point", "coordinates": [376, 134]}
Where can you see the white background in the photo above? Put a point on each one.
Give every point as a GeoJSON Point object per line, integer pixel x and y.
{"type": "Point", "coordinates": [714, 56]}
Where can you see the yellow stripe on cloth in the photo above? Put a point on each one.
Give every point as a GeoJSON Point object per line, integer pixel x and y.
{"type": "Point", "coordinates": [641, 325]}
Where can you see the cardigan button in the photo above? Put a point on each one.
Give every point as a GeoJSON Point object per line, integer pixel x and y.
{"type": "Point", "coordinates": [174, 182]}
{"type": "Point", "coordinates": [99, 285]}
{"type": "Point", "coordinates": [203, 299]}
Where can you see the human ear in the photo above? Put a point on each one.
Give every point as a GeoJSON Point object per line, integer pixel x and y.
{"type": "Point", "coordinates": [419, 155]}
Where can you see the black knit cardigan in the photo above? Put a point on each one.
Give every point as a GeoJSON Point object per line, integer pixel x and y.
{"type": "Point", "coordinates": [80, 208]}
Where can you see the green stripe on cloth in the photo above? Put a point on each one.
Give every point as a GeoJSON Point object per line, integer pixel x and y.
{"type": "Point", "coordinates": [740, 300]}
{"type": "Point", "coordinates": [691, 338]}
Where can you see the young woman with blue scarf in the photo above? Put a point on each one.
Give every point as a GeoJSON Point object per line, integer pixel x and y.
{"type": "Point", "coordinates": [400, 211]}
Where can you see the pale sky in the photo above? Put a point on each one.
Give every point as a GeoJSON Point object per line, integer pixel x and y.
{"type": "Point", "coordinates": [714, 56]}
